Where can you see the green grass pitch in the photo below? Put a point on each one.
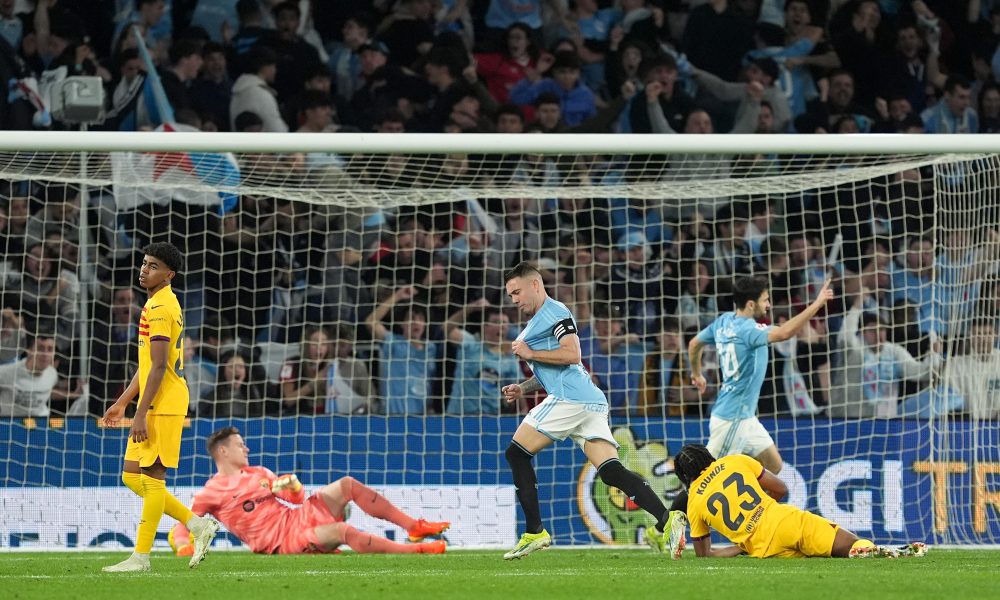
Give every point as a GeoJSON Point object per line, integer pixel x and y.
{"type": "Point", "coordinates": [479, 575]}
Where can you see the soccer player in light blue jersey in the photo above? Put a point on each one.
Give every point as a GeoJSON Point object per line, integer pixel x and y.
{"type": "Point", "coordinates": [574, 408]}
{"type": "Point", "coordinates": [741, 343]}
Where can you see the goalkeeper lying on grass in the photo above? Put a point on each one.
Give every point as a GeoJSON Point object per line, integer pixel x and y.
{"type": "Point", "coordinates": [736, 496]}
{"type": "Point", "coordinates": [245, 500]}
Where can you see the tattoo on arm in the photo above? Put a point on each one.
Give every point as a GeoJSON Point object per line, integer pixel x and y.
{"type": "Point", "coordinates": [530, 385]}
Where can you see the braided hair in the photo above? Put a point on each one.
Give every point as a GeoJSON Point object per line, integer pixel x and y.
{"type": "Point", "coordinates": [691, 461]}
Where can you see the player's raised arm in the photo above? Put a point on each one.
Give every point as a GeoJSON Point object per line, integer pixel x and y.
{"type": "Point", "coordinates": [791, 327]}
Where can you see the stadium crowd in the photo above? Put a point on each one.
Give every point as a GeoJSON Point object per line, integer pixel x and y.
{"type": "Point", "coordinates": [295, 308]}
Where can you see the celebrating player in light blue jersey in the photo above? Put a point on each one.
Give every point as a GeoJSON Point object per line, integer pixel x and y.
{"type": "Point", "coordinates": [574, 407]}
{"type": "Point", "coordinates": [741, 343]}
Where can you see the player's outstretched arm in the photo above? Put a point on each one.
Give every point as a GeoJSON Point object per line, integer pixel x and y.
{"type": "Point", "coordinates": [703, 549]}
{"type": "Point", "coordinates": [791, 327]}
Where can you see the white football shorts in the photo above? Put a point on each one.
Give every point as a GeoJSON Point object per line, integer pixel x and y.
{"type": "Point", "coordinates": [744, 436]}
{"type": "Point", "coordinates": [559, 419]}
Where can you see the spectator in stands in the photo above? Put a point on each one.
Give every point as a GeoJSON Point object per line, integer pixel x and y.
{"type": "Point", "coordinates": [12, 334]}
{"type": "Point", "coordinates": [588, 219]}
{"type": "Point", "coordinates": [15, 216]}
{"type": "Point", "coordinates": [251, 31]}
{"type": "Point", "coordinates": [253, 92]}
{"type": "Point", "coordinates": [248, 122]}
{"type": "Point", "coordinates": [577, 101]}
{"type": "Point", "coordinates": [836, 100]}
{"type": "Point", "coordinates": [644, 284]}
{"type": "Point", "coordinates": [731, 253]}
{"type": "Point", "coordinates": [952, 114]}
{"type": "Point", "coordinates": [349, 385]}
{"type": "Point", "coordinates": [386, 86]}
{"type": "Point", "coordinates": [212, 91]}
{"type": "Point", "coordinates": [801, 372]}
{"type": "Point", "coordinates": [408, 31]}
{"type": "Point", "coordinates": [664, 389]}
{"type": "Point", "coordinates": [502, 70]}
{"type": "Point", "coordinates": [760, 75]}
{"type": "Point", "coordinates": [518, 237]}
{"type": "Point", "coordinates": [233, 396]}
{"type": "Point", "coordinates": [344, 296]}
{"type": "Point", "coordinates": [914, 280]}
{"type": "Point", "coordinates": [624, 60]}
{"type": "Point", "coordinates": [548, 114]}
{"type": "Point", "coordinates": [590, 27]}
{"type": "Point", "coordinates": [409, 362]}
{"type": "Point", "coordinates": [115, 328]}
{"type": "Point", "coordinates": [406, 259]}
{"type": "Point", "coordinates": [510, 119]}
{"type": "Point", "coordinates": [707, 27]}
{"type": "Point", "coordinates": [13, 26]}
{"type": "Point", "coordinates": [304, 377]}
{"type": "Point", "coordinates": [501, 14]}
{"type": "Point", "coordinates": [481, 362]}
{"type": "Point", "coordinates": [296, 57]}
{"type": "Point", "coordinates": [975, 375]}
{"type": "Point", "coordinates": [906, 72]}
{"type": "Point", "coordinates": [613, 356]}
{"type": "Point", "coordinates": [858, 41]}
{"type": "Point", "coordinates": [873, 369]}
{"type": "Point", "coordinates": [185, 62]}
{"type": "Point", "coordinates": [316, 113]}
{"type": "Point", "coordinates": [153, 19]}
{"type": "Point", "coordinates": [392, 120]}
{"type": "Point", "coordinates": [344, 60]}
{"type": "Point", "coordinates": [48, 292]}
{"type": "Point", "coordinates": [443, 68]}
{"type": "Point", "coordinates": [698, 304]}
{"type": "Point", "coordinates": [26, 385]}
{"type": "Point", "coordinates": [659, 76]}
{"type": "Point", "coordinates": [989, 108]}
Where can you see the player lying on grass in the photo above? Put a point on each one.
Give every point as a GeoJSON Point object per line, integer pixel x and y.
{"type": "Point", "coordinates": [736, 496]}
{"type": "Point", "coordinates": [245, 500]}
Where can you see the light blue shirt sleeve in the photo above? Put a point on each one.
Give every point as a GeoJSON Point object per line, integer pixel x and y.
{"type": "Point", "coordinates": [707, 335]}
{"type": "Point", "coordinates": [757, 335]}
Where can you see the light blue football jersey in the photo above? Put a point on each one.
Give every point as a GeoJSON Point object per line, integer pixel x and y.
{"type": "Point", "coordinates": [566, 382]}
{"type": "Point", "coordinates": [741, 344]}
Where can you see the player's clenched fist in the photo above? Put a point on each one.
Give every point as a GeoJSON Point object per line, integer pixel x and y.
{"type": "Point", "coordinates": [512, 392]}
{"type": "Point", "coordinates": [286, 482]}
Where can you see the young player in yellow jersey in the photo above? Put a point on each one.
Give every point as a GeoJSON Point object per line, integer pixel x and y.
{"type": "Point", "coordinates": [737, 496]}
{"type": "Point", "coordinates": [154, 441]}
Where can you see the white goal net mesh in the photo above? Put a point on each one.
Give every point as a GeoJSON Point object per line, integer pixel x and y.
{"type": "Point", "coordinates": [347, 313]}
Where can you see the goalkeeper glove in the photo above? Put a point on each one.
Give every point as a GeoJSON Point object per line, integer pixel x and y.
{"type": "Point", "coordinates": [286, 482]}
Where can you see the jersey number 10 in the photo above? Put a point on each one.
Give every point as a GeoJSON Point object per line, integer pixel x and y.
{"type": "Point", "coordinates": [728, 362]}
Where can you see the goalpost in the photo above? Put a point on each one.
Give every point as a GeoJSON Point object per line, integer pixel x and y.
{"type": "Point", "coordinates": [884, 409]}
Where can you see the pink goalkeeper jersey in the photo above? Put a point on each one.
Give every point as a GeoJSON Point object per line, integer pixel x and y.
{"type": "Point", "coordinates": [245, 504]}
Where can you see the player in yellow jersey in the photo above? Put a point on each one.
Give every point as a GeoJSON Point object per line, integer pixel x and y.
{"type": "Point", "coordinates": [738, 497]}
{"type": "Point", "coordinates": [154, 441]}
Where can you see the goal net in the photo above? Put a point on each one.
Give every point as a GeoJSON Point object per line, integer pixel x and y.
{"type": "Point", "coordinates": [344, 306]}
